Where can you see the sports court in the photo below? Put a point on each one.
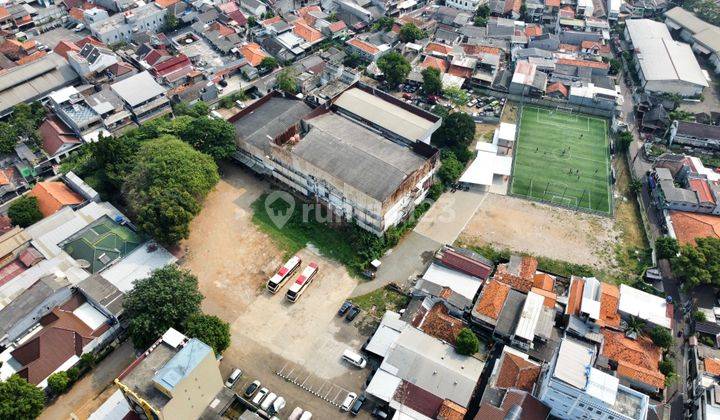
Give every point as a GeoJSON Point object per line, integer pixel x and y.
{"type": "Point", "coordinates": [562, 158]}
{"type": "Point", "coordinates": [101, 243]}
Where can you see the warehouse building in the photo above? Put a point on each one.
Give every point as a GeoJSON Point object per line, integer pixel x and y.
{"type": "Point", "coordinates": [362, 167]}
{"type": "Point", "coordinates": [704, 37]}
{"type": "Point", "coordinates": [663, 64]}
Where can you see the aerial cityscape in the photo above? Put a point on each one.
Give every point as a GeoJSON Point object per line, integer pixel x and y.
{"type": "Point", "coordinates": [391, 209]}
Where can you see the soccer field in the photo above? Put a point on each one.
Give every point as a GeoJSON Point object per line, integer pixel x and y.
{"type": "Point", "coordinates": [562, 158]}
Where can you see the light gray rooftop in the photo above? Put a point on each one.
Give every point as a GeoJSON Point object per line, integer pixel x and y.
{"type": "Point", "coordinates": [270, 120]}
{"type": "Point", "coordinates": [103, 292]}
{"type": "Point", "coordinates": [357, 156]}
{"type": "Point", "coordinates": [29, 300]}
{"type": "Point", "coordinates": [138, 88]}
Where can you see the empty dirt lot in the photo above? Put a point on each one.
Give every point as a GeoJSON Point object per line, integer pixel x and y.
{"type": "Point", "coordinates": [539, 229]}
{"type": "Point", "coordinates": [233, 260]}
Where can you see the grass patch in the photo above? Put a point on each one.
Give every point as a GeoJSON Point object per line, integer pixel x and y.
{"type": "Point", "coordinates": [562, 158]}
{"type": "Point", "coordinates": [562, 268]}
{"type": "Point", "coordinates": [343, 242]}
{"type": "Point", "coordinates": [383, 300]}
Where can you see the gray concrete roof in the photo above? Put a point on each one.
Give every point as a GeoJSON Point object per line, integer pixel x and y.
{"type": "Point", "coordinates": [270, 120]}
{"type": "Point", "coordinates": [138, 88]}
{"type": "Point", "coordinates": [28, 301]}
{"type": "Point", "coordinates": [103, 292]}
{"type": "Point", "coordinates": [357, 156]}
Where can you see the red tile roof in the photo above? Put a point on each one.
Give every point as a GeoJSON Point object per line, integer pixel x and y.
{"type": "Point", "coordinates": [271, 21]}
{"type": "Point", "coordinates": [532, 408]}
{"type": "Point", "coordinates": [583, 63]}
{"type": "Point", "coordinates": [32, 57]}
{"type": "Point", "coordinates": [222, 29]}
{"type": "Point", "coordinates": [253, 53]}
{"type": "Point", "coordinates": [228, 7]}
{"type": "Point", "coordinates": [435, 62]}
{"type": "Point", "coordinates": [307, 32]}
{"type": "Point", "coordinates": [516, 372]}
{"type": "Point", "coordinates": [471, 49]}
{"type": "Point", "coordinates": [609, 301]}
{"type": "Point", "coordinates": [492, 298]}
{"type": "Point", "coordinates": [690, 226]}
{"type": "Point", "coordinates": [712, 366]}
{"type": "Point", "coordinates": [533, 30]}
{"type": "Point", "coordinates": [364, 46]}
{"type": "Point", "coordinates": [63, 47]}
{"type": "Point", "coordinates": [465, 264]}
{"type": "Point", "coordinates": [238, 17]}
{"type": "Point", "coordinates": [77, 13]}
{"type": "Point", "coordinates": [701, 187]}
{"type": "Point", "coordinates": [164, 4]}
{"type": "Point", "coordinates": [55, 134]}
{"type": "Point", "coordinates": [550, 297]}
{"type": "Point", "coordinates": [522, 280]}
{"type": "Point", "coordinates": [640, 374]}
{"type": "Point", "coordinates": [575, 294]}
{"type": "Point", "coordinates": [637, 359]}
{"type": "Point", "coordinates": [451, 411]}
{"type": "Point", "coordinates": [88, 40]}
{"type": "Point", "coordinates": [337, 26]}
{"type": "Point", "coordinates": [543, 281]}
{"type": "Point", "coordinates": [4, 13]}
{"type": "Point", "coordinates": [436, 47]}
{"type": "Point", "coordinates": [552, 3]}
{"type": "Point", "coordinates": [438, 323]}
{"type": "Point", "coordinates": [53, 196]}
{"type": "Point", "coordinates": [558, 87]}
{"type": "Point", "coordinates": [424, 402]}
{"type": "Point", "coordinates": [568, 48]}
{"type": "Point", "coordinates": [459, 71]}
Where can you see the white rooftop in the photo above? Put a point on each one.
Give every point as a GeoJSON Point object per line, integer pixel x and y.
{"type": "Point", "coordinates": [645, 306]}
{"type": "Point", "coordinates": [90, 316]}
{"type": "Point", "coordinates": [573, 363]}
{"type": "Point", "coordinates": [383, 385]}
{"type": "Point", "coordinates": [138, 88]}
{"type": "Point", "coordinates": [506, 131]}
{"type": "Point", "coordinates": [455, 280]}
{"type": "Point", "coordinates": [486, 165]}
{"type": "Point", "coordinates": [137, 265]}
{"type": "Point", "coordinates": [529, 316]}
{"type": "Point", "coordinates": [386, 334]}
{"type": "Point", "coordinates": [63, 95]}
{"type": "Point", "coordinates": [602, 386]}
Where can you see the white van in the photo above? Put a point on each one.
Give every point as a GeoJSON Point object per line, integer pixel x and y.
{"type": "Point", "coordinates": [268, 401]}
{"type": "Point", "coordinates": [354, 358]}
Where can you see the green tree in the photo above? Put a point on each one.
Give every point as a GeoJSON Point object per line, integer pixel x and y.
{"type": "Point", "coordinates": [699, 316]}
{"type": "Point", "coordinates": [456, 133]}
{"type": "Point", "coordinates": [73, 374]}
{"type": "Point", "coordinates": [615, 66]}
{"type": "Point", "coordinates": [467, 342]}
{"type": "Point", "coordinates": [411, 33]}
{"type": "Point", "coordinates": [457, 96]}
{"type": "Point", "coordinates": [287, 81]}
{"type": "Point", "coordinates": [384, 23]}
{"type": "Point", "coordinates": [166, 299]}
{"type": "Point", "coordinates": [698, 264]}
{"type": "Point", "coordinates": [666, 366]}
{"type": "Point", "coordinates": [166, 186]}
{"type": "Point", "coordinates": [8, 137]}
{"type": "Point", "coordinates": [635, 326]}
{"type": "Point", "coordinates": [483, 11]}
{"type": "Point", "coordinates": [352, 60]}
{"type": "Point", "coordinates": [268, 64]}
{"type": "Point", "coordinates": [198, 109]}
{"type": "Point", "coordinates": [215, 138]}
{"type": "Point", "coordinates": [624, 140]}
{"type": "Point", "coordinates": [20, 399]}
{"type": "Point", "coordinates": [432, 83]}
{"type": "Point", "coordinates": [24, 211]}
{"type": "Point", "coordinates": [450, 169]}
{"type": "Point", "coordinates": [211, 330]}
{"type": "Point", "coordinates": [480, 21]}
{"type": "Point", "coordinates": [667, 247]}
{"type": "Point", "coordinates": [635, 185]}
{"type": "Point", "coordinates": [171, 21]}
{"type": "Point", "coordinates": [395, 68]}
{"type": "Point", "coordinates": [681, 115]}
{"type": "Point", "coordinates": [58, 382]}
{"type": "Point", "coordinates": [87, 361]}
{"type": "Point", "coordinates": [251, 21]}
{"type": "Point", "coordinates": [661, 337]}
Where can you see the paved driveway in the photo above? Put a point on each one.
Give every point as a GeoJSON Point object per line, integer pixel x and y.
{"type": "Point", "coordinates": [449, 215]}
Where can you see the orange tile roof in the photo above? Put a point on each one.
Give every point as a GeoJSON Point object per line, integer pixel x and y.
{"type": "Point", "coordinates": [222, 29]}
{"type": "Point", "coordinates": [583, 63]}
{"type": "Point", "coordinates": [609, 301]}
{"type": "Point", "coordinates": [76, 13]}
{"type": "Point", "coordinates": [533, 30]}
{"type": "Point", "coordinates": [364, 46]}
{"type": "Point", "coordinates": [271, 21]}
{"type": "Point", "coordinates": [701, 187]}
{"type": "Point", "coordinates": [690, 226]}
{"type": "Point", "coordinates": [4, 180]}
{"type": "Point", "coordinates": [552, 3]}
{"type": "Point", "coordinates": [550, 297]}
{"type": "Point", "coordinates": [437, 47]}
{"type": "Point", "coordinates": [63, 47]}
{"type": "Point", "coordinates": [337, 26]}
{"type": "Point", "coordinates": [516, 372]}
{"type": "Point", "coordinates": [451, 411]}
{"type": "Point", "coordinates": [639, 358]}
{"type": "Point", "coordinates": [459, 71]}
{"type": "Point", "coordinates": [32, 57]}
{"type": "Point", "coordinates": [594, 45]}
{"type": "Point", "coordinates": [471, 49]}
{"type": "Point", "coordinates": [435, 62]}
{"type": "Point", "coordinates": [253, 53]}
{"type": "Point", "coordinates": [568, 48]}
{"type": "Point", "coordinates": [575, 296]}
{"type": "Point", "coordinates": [306, 32]}
{"type": "Point", "coordinates": [543, 281]}
{"type": "Point", "coordinates": [438, 323]}
{"type": "Point", "coordinates": [164, 4]}
{"type": "Point", "coordinates": [712, 366]}
{"type": "Point", "coordinates": [4, 13]}
{"type": "Point", "coordinates": [558, 87]}
{"type": "Point", "coordinates": [53, 196]}
{"type": "Point", "coordinates": [492, 298]}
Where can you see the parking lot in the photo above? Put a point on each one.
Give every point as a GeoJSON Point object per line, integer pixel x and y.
{"type": "Point", "coordinates": [53, 37]}
{"type": "Point", "coordinates": [233, 260]}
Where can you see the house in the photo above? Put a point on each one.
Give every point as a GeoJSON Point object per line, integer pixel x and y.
{"type": "Point", "coordinates": [253, 7]}
{"type": "Point", "coordinates": [663, 64]}
{"type": "Point", "coordinates": [143, 97]}
{"type": "Point", "coordinates": [686, 227]}
{"type": "Point", "coordinates": [654, 310]}
{"type": "Point", "coordinates": [527, 80]}
{"type": "Point", "coordinates": [513, 403]}
{"type": "Point", "coordinates": [72, 109]}
{"type": "Point", "coordinates": [366, 50]}
{"type": "Point", "coordinates": [465, 261]}
{"type": "Point", "coordinates": [464, 284]}
{"type": "Point", "coordinates": [91, 61]}
{"type": "Point", "coordinates": [177, 377]}
{"type": "Point", "coordinates": [121, 26]}
{"type": "Point", "coordinates": [253, 53]}
{"type": "Point", "coordinates": [468, 5]}
{"type": "Point", "coordinates": [694, 134]}
{"type": "Point", "coordinates": [53, 196]}
{"type": "Point", "coordinates": [57, 138]}
{"type": "Point", "coordinates": [298, 154]}
{"type": "Point", "coordinates": [701, 35]}
{"type": "Point", "coordinates": [637, 360]}
{"type": "Point", "coordinates": [573, 388]}
{"type": "Point", "coordinates": [490, 303]}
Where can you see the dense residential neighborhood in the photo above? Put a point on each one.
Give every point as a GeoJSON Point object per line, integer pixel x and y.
{"type": "Point", "coordinates": [418, 209]}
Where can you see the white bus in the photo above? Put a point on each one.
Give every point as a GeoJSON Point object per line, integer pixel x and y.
{"type": "Point", "coordinates": [285, 272]}
{"type": "Point", "coordinates": [302, 282]}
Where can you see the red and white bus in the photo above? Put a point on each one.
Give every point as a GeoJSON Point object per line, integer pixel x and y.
{"type": "Point", "coordinates": [302, 282]}
{"type": "Point", "coordinates": [285, 272]}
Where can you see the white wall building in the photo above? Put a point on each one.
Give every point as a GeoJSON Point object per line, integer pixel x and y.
{"type": "Point", "coordinates": [469, 5]}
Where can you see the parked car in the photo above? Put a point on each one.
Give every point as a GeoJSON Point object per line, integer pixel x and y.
{"type": "Point", "coordinates": [277, 405]}
{"type": "Point", "coordinates": [344, 308]}
{"type": "Point", "coordinates": [357, 405]}
{"type": "Point", "coordinates": [347, 403]}
{"type": "Point", "coordinates": [378, 413]}
{"type": "Point", "coordinates": [352, 313]}
{"type": "Point", "coordinates": [250, 389]}
{"type": "Point", "coordinates": [260, 395]}
{"type": "Point", "coordinates": [233, 378]}
{"type": "Point", "coordinates": [354, 358]}
{"type": "Point", "coordinates": [265, 406]}
{"type": "Point", "coordinates": [306, 416]}
{"type": "Point", "coordinates": [296, 413]}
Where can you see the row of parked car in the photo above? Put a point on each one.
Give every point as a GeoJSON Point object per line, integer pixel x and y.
{"type": "Point", "coordinates": [260, 396]}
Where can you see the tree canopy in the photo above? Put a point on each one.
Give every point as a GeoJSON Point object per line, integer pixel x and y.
{"type": "Point", "coordinates": [198, 109]}
{"type": "Point", "coordinates": [166, 299]}
{"type": "Point", "coordinates": [456, 133]}
{"type": "Point", "coordinates": [456, 95]}
{"type": "Point", "coordinates": [58, 382]}
{"type": "Point", "coordinates": [467, 342]}
{"type": "Point", "coordinates": [661, 337]}
{"type": "Point", "coordinates": [450, 169]}
{"type": "Point", "coordinates": [667, 247]}
{"type": "Point", "coordinates": [215, 138]}
{"type": "Point", "coordinates": [22, 125]}
{"type": "Point", "coordinates": [385, 24]}
{"type": "Point", "coordinates": [395, 67]}
{"type": "Point", "coordinates": [287, 81]}
{"type": "Point", "coordinates": [20, 399]}
{"type": "Point", "coordinates": [411, 33]}
{"type": "Point", "coordinates": [267, 64]}
{"type": "Point", "coordinates": [432, 83]}
{"type": "Point", "coordinates": [211, 330]}
{"type": "Point", "coordinates": [698, 264]}
{"type": "Point", "coordinates": [24, 211]}
{"type": "Point", "coordinates": [167, 185]}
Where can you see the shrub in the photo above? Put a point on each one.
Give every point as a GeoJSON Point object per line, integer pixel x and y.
{"type": "Point", "coordinates": [58, 382]}
{"type": "Point", "coordinates": [699, 316]}
{"type": "Point", "coordinates": [73, 374]}
{"type": "Point", "coordinates": [666, 366]}
{"type": "Point", "coordinates": [661, 337]}
{"type": "Point", "coordinates": [467, 343]}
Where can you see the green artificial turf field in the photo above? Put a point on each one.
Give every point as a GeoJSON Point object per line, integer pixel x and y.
{"type": "Point", "coordinates": [562, 158]}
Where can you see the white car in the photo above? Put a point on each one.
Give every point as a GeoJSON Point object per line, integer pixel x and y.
{"type": "Point", "coordinates": [260, 395]}
{"type": "Point", "coordinates": [267, 401]}
{"type": "Point", "coordinates": [277, 405]}
{"type": "Point", "coordinates": [348, 401]}
{"type": "Point", "coordinates": [233, 378]}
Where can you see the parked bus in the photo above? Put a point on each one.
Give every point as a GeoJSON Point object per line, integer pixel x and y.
{"type": "Point", "coordinates": [302, 282]}
{"type": "Point", "coordinates": [285, 272]}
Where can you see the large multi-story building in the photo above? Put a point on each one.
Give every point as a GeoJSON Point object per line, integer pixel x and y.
{"type": "Point", "coordinates": [176, 378]}
{"type": "Point", "coordinates": [364, 155]}
{"type": "Point", "coordinates": [121, 26]}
